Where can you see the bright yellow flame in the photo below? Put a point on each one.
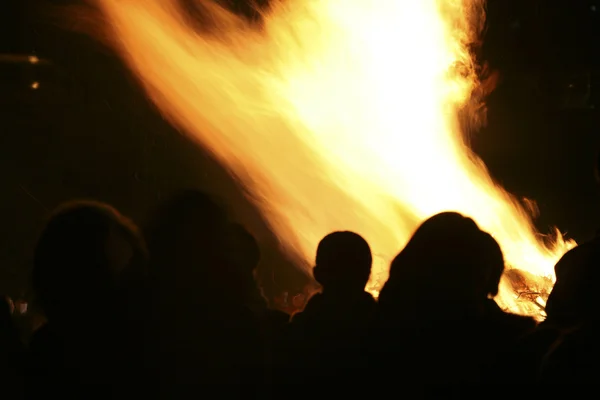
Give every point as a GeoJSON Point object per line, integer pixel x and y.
{"type": "Point", "coordinates": [336, 114]}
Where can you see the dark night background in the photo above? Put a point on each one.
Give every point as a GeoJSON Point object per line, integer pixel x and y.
{"type": "Point", "coordinates": [88, 131]}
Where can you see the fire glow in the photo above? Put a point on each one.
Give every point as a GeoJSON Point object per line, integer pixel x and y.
{"type": "Point", "coordinates": [337, 114]}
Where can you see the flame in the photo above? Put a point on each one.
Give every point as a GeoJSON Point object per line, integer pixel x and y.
{"type": "Point", "coordinates": [336, 114]}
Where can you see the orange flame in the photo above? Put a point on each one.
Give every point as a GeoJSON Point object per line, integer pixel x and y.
{"type": "Point", "coordinates": [336, 114]}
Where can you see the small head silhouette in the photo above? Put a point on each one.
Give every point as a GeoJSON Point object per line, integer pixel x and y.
{"type": "Point", "coordinates": [83, 255]}
{"type": "Point", "coordinates": [343, 262]}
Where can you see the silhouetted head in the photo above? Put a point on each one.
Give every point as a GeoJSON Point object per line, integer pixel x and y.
{"type": "Point", "coordinates": [186, 227]}
{"type": "Point", "coordinates": [573, 299]}
{"type": "Point", "coordinates": [343, 262]}
{"type": "Point", "coordinates": [441, 264]}
{"type": "Point", "coordinates": [189, 246]}
{"type": "Point", "coordinates": [83, 256]}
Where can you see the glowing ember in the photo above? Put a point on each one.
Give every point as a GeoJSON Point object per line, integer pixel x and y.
{"type": "Point", "coordinates": [336, 114]}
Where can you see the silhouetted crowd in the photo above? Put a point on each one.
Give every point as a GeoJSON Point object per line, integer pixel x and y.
{"type": "Point", "coordinates": [174, 309]}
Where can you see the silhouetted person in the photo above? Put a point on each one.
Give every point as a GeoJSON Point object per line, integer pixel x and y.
{"type": "Point", "coordinates": [573, 359]}
{"type": "Point", "coordinates": [245, 253]}
{"type": "Point", "coordinates": [206, 333]}
{"type": "Point", "coordinates": [566, 310]}
{"type": "Point", "coordinates": [572, 300]}
{"type": "Point", "coordinates": [509, 326]}
{"type": "Point", "coordinates": [85, 260]}
{"type": "Point", "coordinates": [330, 334]}
{"type": "Point", "coordinates": [437, 273]}
{"type": "Point", "coordinates": [505, 330]}
{"type": "Point", "coordinates": [434, 305]}
{"type": "Point", "coordinates": [573, 315]}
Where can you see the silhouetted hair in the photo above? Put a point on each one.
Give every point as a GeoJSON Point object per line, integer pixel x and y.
{"type": "Point", "coordinates": [343, 261]}
{"type": "Point", "coordinates": [189, 248]}
{"type": "Point", "coordinates": [573, 298]}
{"type": "Point", "coordinates": [76, 257]}
{"type": "Point", "coordinates": [439, 263]}
{"type": "Point", "coordinates": [185, 211]}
